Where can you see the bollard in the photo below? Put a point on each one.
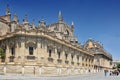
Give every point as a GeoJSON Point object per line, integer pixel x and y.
{"type": "Point", "coordinates": [23, 70]}
{"type": "Point", "coordinates": [40, 70]}
{"type": "Point", "coordinates": [58, 71]}
{"type": "Point", "coordinates": [4, 70]}
{"type": "Point", "coordinates": [68, 71]}
{"type": "Point", "coordinates": [34, 70]}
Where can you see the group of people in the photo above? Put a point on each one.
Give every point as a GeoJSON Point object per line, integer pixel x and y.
{"type": "Point", "coordinates": [112, 72]}
{"type": "Point", "coordinates": [106, 72]}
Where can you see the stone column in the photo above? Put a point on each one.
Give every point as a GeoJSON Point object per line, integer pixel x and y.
{"type": "Point", "coordinates": [41, 52]}
{"type": "Point", "coordinates": [7, 54]}
{"type": "Point", "coordinates": [69, 59]}
{"type": "Point", "coordinates": [55, 56]}
{"type": "Point", "coordinates": [44, 54]}
{"type": "Point", "coordinates": [16, 52]}
{"type": "Point", "coordinates": [35, 52]}
{"type": "Point", "coordinates": [75, 60]}
{"type": "Point", "coordinates": [22, 51]}
{"type": "Point", "coordinates": [80, 61]}
{"type": "Point", "coordinates": [26, 51]}
{"type": "Point", "coordinates": [38, 52]}
{"type": "Point", "coordinates": [63, 57]}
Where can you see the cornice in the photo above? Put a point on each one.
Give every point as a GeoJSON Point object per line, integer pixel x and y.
{"type": "Point", "coordinates": [42, 34]}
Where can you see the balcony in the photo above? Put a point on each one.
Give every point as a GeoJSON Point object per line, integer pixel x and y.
{"type": "Point", "coordinates": [72, 63]}
{"type": "Point", "coordinates": [11, 58]}
{"type": "Point", "coordinates": [2, 60]}
{"type": "Point", "coordinates": [30, 57]}
{"type": "Point", "coordinates": [59, 60]}
{"type": "Point", "coordinates": [66, 61]}
{"type": "Point", "coordinates": [78, 63]}
{"type": "Point", "coordinates": [50, 59]}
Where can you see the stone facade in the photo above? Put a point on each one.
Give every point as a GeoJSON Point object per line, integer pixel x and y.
{"type": "Point", "coordinates": [102, 59]}
{"type": "Point", "coordinates": [46, 49]}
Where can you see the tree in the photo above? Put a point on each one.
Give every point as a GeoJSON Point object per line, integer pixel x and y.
{"type": "Point", "coordinates": [118, 65]}
{"type": "Point", "coordinates": [2, 54]}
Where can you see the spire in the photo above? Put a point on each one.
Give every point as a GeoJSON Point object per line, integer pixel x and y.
{"type": "Point", "coordinates": [60, 16]}
{"type": "Point", "coordinates": [7, 10]}
{"type": "Point", "coordinates": [39, 24]}
{"type": "Point", "coordinates": [25, 20]}
{"type": "Point", "coordinates": [15, 18]}
{"type": "Point", "coordinates": [72, 23]}
{"type": "Point", "coordinates": [72, 27]}
{"type": "Point", "coordinates": [42, 23]}
{"type": "Point", "coordinates": [33, 25]}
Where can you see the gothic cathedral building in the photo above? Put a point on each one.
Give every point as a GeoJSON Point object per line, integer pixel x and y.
{"type": "Point", "coordinates": [48, 49]}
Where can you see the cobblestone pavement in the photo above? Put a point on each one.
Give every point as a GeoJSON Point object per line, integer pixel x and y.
{"type": "Point", "coordinates": [99, 76]}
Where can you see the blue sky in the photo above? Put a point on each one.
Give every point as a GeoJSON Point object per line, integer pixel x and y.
{"type": "Point", "coordinates": [97, 19]}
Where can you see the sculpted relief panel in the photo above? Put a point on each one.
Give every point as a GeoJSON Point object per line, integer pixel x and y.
{"type": "Point", "coordinates": [4, 28]}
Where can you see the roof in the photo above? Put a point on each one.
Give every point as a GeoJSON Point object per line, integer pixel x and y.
{"type": "Point", "coordinates": [97, 48]}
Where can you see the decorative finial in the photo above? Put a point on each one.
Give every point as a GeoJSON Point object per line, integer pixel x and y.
{"type": "Point", "coordinates": [39, 24]}
{"type": "Point", "coordinates": [72, 23]}
{"type": "Point", "coordinates": [33, 25]}
{"type": "Point", "coordinates": [42, 22]}
{"type": "Point", "coordinates": [25, 20]}
{"type": "Point", "coordinates": [7, 10]}
{"type": "Point", "coordinates": [60, 16]}
{"type": "Point", "coordinates": [15, 18]}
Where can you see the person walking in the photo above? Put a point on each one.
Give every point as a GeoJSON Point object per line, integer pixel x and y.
{"type": "Point", "coordinates": [105, 72]}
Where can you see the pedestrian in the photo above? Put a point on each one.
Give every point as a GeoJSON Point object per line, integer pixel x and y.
{"type": "Point", "coordinates": [105, 72]}
{"type": "Point", "coordinates": [110, 72]}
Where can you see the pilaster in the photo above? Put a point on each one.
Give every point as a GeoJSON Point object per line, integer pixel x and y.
{"type": "Point", "coordinates": [7, 54]}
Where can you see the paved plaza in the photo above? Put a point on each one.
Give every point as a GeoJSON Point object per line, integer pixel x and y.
{"type": "Point", "coordinates": [99, 76]}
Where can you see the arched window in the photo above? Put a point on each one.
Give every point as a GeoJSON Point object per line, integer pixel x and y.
{"type": "Point", "coordinates": [78, 58]}
{"type": "Point", "coordinates": [50, 51]}
{"type": "Point", "coordinates": [67, 32]}
{"type": "Point", "coordinates": [59, 55]}
{"type": "Point", "coordinates": [66, 55]}
{"type": "Point", "coordinates": [4, 50]}
{"type": "Point", "coordinates": [72, 57]}
{"type": "Point", "coordinates": [12, 51]}
{"type": "Point", "coordinates": [30, 50]}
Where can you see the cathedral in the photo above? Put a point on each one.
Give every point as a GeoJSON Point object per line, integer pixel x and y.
{"type": "Point", "coordinates": [48, 49]}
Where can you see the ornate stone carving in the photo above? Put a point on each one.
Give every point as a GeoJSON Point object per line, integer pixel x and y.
{"type": "Point", "coordinates": [59, 60]}
{"type": "Point", "coordinates": [30, 44]}
{"type": "Point", "coordinates": [50, 46]}
{"type": "Point", "coordinates": [11, 43]}
{"type": "Point", "coordinates": [59, 49]}
{"type": "Point", "coordinates": [3, 45]}
{"type": "Point", "coordinates": [39, 40]}
{"type": "Point", "coordinates": [22, 39]}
